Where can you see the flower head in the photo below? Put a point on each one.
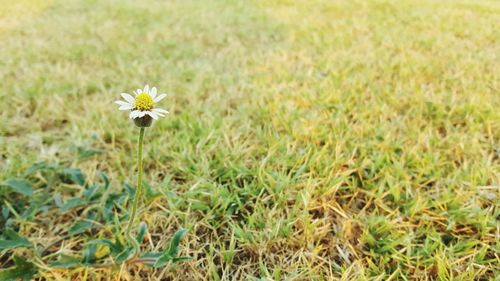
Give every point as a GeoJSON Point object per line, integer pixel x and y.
{"type": "Point", "coordinates": [143, 105]}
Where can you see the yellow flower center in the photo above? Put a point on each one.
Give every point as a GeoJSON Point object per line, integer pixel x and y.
{"type": "Point", "coordinates": [143, 102]}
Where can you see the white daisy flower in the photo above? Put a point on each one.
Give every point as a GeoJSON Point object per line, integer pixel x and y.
{"type": "Point", "coordinates": [142, 105]}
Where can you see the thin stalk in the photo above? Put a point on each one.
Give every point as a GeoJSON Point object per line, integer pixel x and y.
{"type": "Point", "coordinates": [138, 193]}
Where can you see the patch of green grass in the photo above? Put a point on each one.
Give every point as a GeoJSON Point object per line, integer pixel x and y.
{"type": "Point", "coordinates": [307, 140]}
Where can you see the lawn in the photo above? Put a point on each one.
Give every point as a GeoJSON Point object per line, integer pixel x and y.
{"type": "Point", "coordinates": [306, 140]}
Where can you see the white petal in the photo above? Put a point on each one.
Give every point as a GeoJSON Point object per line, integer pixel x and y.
{"type": "Point", "coordinates": [139, 91]}
{"type": "Point", "coordinates": [160, 110]}
{"type": "Point", "coordinates": [152, 114]}
{"type": "Point", "coordinates": [133, 114]}
{"type": "Point", "coordinates": [141, 114]}
{"type": "Point", "coordinates": [128, 97]}
{"type": "Point", "coordinates": [152, 93]}
{"type": "Point", "coordinates": [138, 114]}
{"type": "Point", "coordinates": [146, 89]}
{"type": "Point", "coordinates": [160, 97]}
{"type": "Point", "coordinates": [120, 102]}
{"type": "Point", "coordinates": [126, 107]}
{"type": "Point", "coordinates": [158, 113]}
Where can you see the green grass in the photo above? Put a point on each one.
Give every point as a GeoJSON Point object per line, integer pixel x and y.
{"type": "Point", "coordinates": [307, 140]}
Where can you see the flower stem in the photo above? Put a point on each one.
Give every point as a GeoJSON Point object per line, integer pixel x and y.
{"type": "Point", "coordinates": [138, 192]}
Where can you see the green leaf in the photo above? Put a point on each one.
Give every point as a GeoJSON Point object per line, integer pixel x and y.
{"type": "Point", "coordinates": [118, 249]}
{"type": "Point", "coordinates": [71, 203]}
{"type": "Point", "coordinates": [5, 212]}
{"type": "Point", "coordinates": [105, 179]}
{"type": "Point", "coordinates": [181, 259]}
{"type": "Point", "coordinates": [149, 191]}
{"type": "Point", "coordinates": [130, 190]}
{"type": "Point", "coordinates": [89, 256]}
{"type": "Point", "coordinates": [58, 200]}
{"type": "Point", "coordinates": [124, 255]}
{"type": "Point", "coordinates": [75, 175]}
{"type": "Point", "coordinates": [170, 253]}
{"type": "Point", "coordinates": [151, 257]}
{"type": "Point", "coordinates": [39, 166]}
{"type": "Point", "coordinates": [19, 186]}
{"type": "Point", "coordinates": [91, 193]}
{"type": "Point", "coordinates": [82, 225]}
{"type": "Point", "coordinates": [13, 241]}
{"type": "Point", "coordinates": [23, 270]}
{"type": "Point", "coordinates": [115, 248]}
{"type": "Point", "coordinates": [84, 152]}
{"type": "Point", "coordinates": [66, 262]}
{"type": "Point", "coordinates": [162, 261]}
{"type": "Point", "coordinates": [173, 248]}
{"type": "Point", "coordinates": [114, 200]}
{"type": "Point", "coordinates": [143, 227]}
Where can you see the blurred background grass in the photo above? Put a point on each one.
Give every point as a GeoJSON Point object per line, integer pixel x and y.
{"type": "Point", "coordinates": [306, 140]}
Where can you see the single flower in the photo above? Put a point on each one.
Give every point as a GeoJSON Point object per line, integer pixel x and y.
{"type": "Point", "coordinates": [143, 105]}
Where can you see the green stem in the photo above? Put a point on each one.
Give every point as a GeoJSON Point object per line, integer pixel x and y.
{"type": "Point", "coordinates": [138, 193]}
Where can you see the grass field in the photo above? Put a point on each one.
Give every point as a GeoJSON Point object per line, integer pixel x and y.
{"type": "Point", "coordinates": [307, 140]}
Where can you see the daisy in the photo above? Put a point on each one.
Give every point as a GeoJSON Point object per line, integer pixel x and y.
{"type": "Point", "coordinates": [142, 105]}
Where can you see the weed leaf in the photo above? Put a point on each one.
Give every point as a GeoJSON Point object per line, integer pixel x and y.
{"type": "Point", "coordinates": [66, 262]}
{"type": "Point", "coordinates": [82, 225]}
{"type": "Point", "coordinates": [13, 241]}
{"type": "Point", "coordinates": [75, 175]}
{"type": "Point", "coordinates": [170, 254]}
{"type": "Point", "coordinates": [143, 227]}
{"type": "Point", "coordinates": [89, 255]}
{"type": "Point", "coordinates": [124, 255]}
{"type": "Point", "coordinates": [23, 270]}
{"type": "Point", "coordinates": [37, 167]}
{"type": "Point", "coordinates": [19, 186]}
